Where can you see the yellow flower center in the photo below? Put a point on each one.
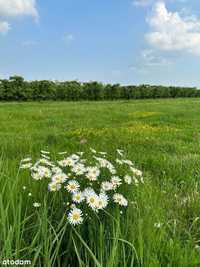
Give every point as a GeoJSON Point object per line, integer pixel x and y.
{"type": "Point", "coordinates": [75, 216]}
{"type": "Point", "coordinates": [72, 186]}
{"type": "Point", "coordinates": [92, 200]}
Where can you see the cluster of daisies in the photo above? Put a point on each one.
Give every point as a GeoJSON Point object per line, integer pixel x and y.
{"type": "Point", "coordinates": [89, 184]}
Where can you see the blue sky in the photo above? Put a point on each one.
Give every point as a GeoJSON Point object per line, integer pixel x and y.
{"type": "Point", "coordinates": [117, 41]}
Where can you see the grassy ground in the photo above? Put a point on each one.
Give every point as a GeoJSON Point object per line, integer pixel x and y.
{"type": "Point", "coordinates": [161, 136]}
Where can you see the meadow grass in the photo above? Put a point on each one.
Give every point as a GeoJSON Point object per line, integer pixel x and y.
{"type": "Point", "coordinates": [161, 226]}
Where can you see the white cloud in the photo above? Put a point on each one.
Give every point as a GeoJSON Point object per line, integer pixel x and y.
{"type": "Point", "coordinates": [16, 8]}
{"type": "Point", "coordinates": [4, 27]}
{"type": "Point", "coordinates": [172, 32]}
{"type": "Point", "coordinates": [151, 58]}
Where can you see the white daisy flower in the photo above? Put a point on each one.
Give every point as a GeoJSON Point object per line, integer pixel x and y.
{"type": "Point", "coordinates": [107, 186]}
{"type": "Point", "coordinates": [157, 225]}
{"type": "Point", "coordinates": [46, 162]}
{"type": "Point", "coordinates": [36, 205]}
{"type": "Point", "coordinates": [136, 171]}
{"type": "Point", "coordinates": [72, 186]}
{"type": "Point", "coordinates": [36, 176]}
{"type": "Point", "coordinates": [29, 194]}
{"type": "Point", "coordinates": [53, 187]}
{"type": "Point", "coordinates": [127, 179]}
{"type": "Point", "coordinates": [59, 178]}
{"type": "Point", "coordinates": [44, 172]}
{"type": "Point", "coordinates": [75, 216]}
{"type": "Point", "coordinates": [92, 200]}
{"type": "Point", "coordinates": [120, 199]}
{"type": "Point", "coordinates": [67, 162]}
{"type": "Point", "coordinates": [79, 169]}
{"type": "Point", "coordinates": [92, 173]}
{"type": "Point", "coordinates": [88, 191]}
{"type": "Point", "coordinates": [102, 201]}
{"type": "Point", "coordinates": [116, 181]}
{"type": "Point", "coordinates": [75, 157]}
{"type": "Point", "coordinates": [24, 187]}
{"type": "Point", "coordinates": [78, 197]}
{"type": "Point", "coordinates": [56, 170]}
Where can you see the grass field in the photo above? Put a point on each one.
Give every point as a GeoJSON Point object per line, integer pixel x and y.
{"type": "Point", "coordinates": [162, 225]}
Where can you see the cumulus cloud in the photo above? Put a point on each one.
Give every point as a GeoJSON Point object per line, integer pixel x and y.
{"type": "Point", "coordinates": [171, 31]}
{"type": "Point", "coordinates": [10, 9]}
{"type": "Point", "coordinates": [4, 27]}
{"type": "Point", "coordinates": [16, 8]}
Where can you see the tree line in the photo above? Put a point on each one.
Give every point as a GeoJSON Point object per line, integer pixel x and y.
{"type": "Point", "coordinates": [17, 89]}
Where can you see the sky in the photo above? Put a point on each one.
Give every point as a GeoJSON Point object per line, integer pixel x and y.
{"type": "Point", "coordinates": [111, 41]}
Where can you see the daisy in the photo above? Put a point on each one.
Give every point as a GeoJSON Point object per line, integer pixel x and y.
{"type": "Point", "coordinates": [120, 199]}
{"type": "Point", "coordinates": [53, 187]}
{"type": "Point", "coordinates": [66, 162]}
{"type": "Point", "coordinates": [36, 205]}
{"type": "Point", "coordinates": [136, 172]}
{"type": "Point", "coordinates": [79, 169]}
{"type": "Point", "coordinates": [102, 201]}
{"type": "Point", "coordinates": [56, 170]}
{"type": "Point", "coordinates": [116, 181]}
{"type": "Point", "coordinates": [72, 186]}
{"type": "Point", "coordinates": [78, 197]}
{"type": "Point", "coordinates": [127, 179]}
{"type": "Point", "coordinates": [44, 172]}
{"type": "Point", "coordinates": [92, 200]}
{"type": "Point", "coordinates": [107, 186]}
{"type": "Point", "coordinates": [75, 157]}
{"type": "Point", "coordinates": [88, 191]}
{"type": "Point", "coordinates": [92, 173]}
{"type": "Point", "coordinates": [36, 176]}
{"type": "Point", "coordinates": [59, 178]}
{"type": "Point", "coordinates": [75, 216]}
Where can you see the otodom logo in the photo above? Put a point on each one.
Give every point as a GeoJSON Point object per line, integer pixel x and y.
{"type": "Point", "coordinates": [9, 262]}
